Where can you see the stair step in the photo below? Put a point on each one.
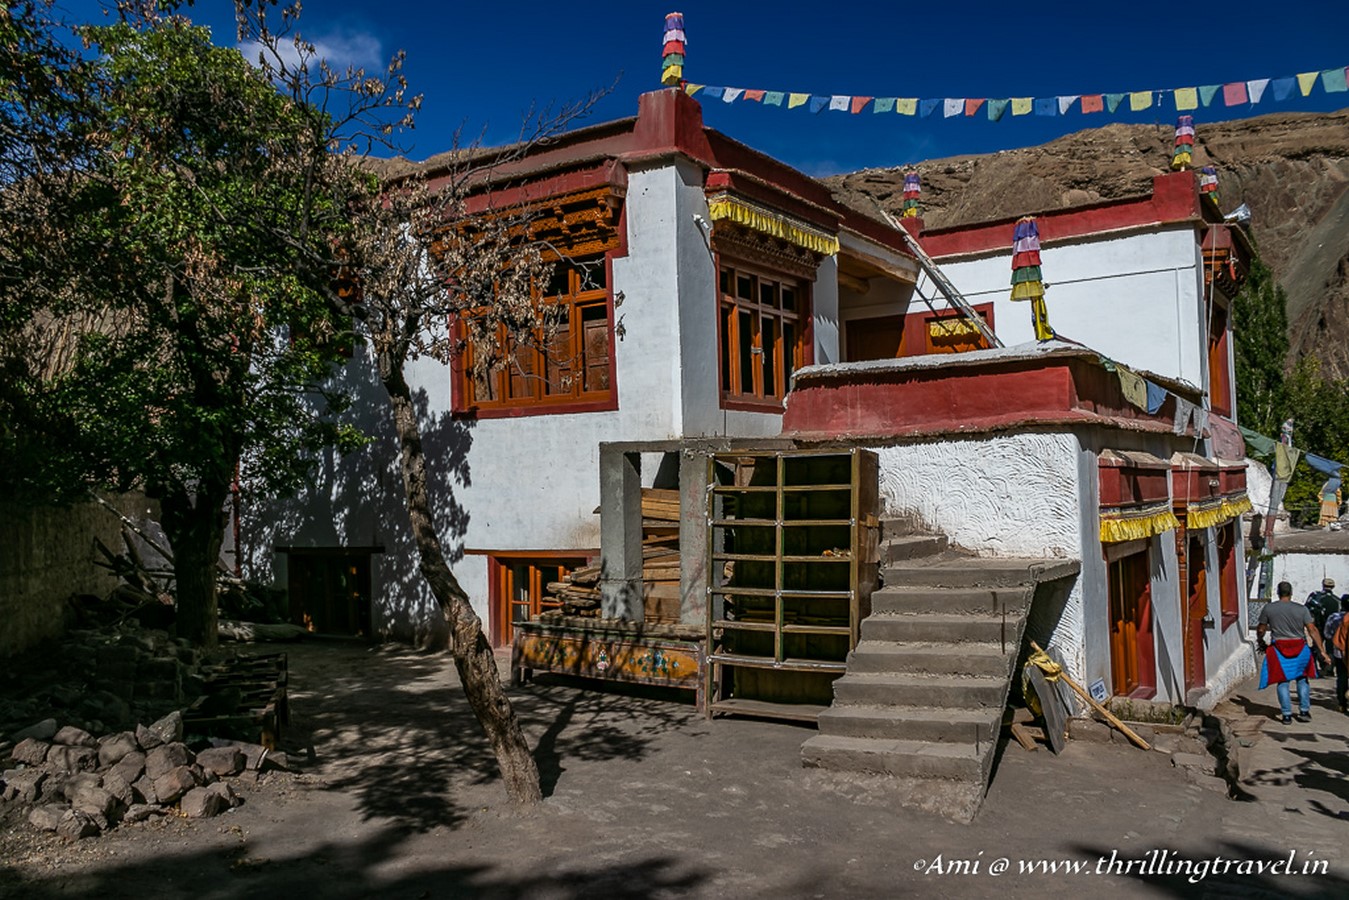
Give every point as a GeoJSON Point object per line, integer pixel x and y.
{"type": "Point", "coordinates": [913, 723]}
{"type": "Point", "coordinates": [912, 546]}
{"type": "Point", "coordinates": [968, 658]}
{"type": "Point", "coordinates": [925, 598]}
{"type": "Point", "coordinates": [912, 689]}
{"type": "Point", "coordinates": [943, 628]}
{"type": "Point", "coordinates": [913, 759]}
{"type": "Point", "coordinates": [954, 570]}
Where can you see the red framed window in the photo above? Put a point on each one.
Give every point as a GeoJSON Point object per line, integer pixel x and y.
{"type": "Point", "coordinates": [944, 331]}
{"type": "Point", "coordinates": [763, 332]}
{"type": "Point", "coordinates": [568, 364]}
{"type": "Point", "coordinates": [518, 589]}
{"type": "Point", "coordinates": [1219, 379]}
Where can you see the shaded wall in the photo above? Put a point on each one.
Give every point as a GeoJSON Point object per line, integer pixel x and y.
{"type": "Point", "coordinates": [46, 555]}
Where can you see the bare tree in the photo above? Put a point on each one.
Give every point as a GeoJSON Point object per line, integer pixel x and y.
{"type": "Point", "coordinates": [429, 279]}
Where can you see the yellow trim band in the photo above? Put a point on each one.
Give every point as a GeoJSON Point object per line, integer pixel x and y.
{"type": "Point", "coordinates": [773, 224]}
{"type": "Point", "coordinates": [1117, 528]}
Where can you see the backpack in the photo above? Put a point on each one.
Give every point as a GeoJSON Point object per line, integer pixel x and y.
{"type": "Point", "coordinates": [1341, 638]}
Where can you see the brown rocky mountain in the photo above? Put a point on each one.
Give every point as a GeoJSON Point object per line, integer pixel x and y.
{"type": "Point", "coordinates": [1291, 169]}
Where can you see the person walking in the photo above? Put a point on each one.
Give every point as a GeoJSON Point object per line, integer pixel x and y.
{"type": "Point", "coordinates": [1323, 603]}
{"type": "Point", "coordinates": [1336, 637]}
{"type": "Point", "coordinates": [1289, 658]}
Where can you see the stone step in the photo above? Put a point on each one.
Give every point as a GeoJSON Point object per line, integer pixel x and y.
{"type": "Point", "coordinates": [914, 689]}
{"type": "Point", "coordinates": [902, 526]}
{"type": "Point", "coordinates": [943, 628]}
{"type": "Point", "coordinates": [913, 759]}
{"type": "Point", "coordinates": [956, 570]}
{"type": "Point", "coordinates": [913, 723]}
{"type": "Point", "coordinates": [912, 546]}
{"type": "Point", "coordinates": [925, 599]}
{"type": "Point", "coordinates": [968, 658]}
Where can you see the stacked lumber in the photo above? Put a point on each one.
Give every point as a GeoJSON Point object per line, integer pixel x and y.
{"type": "Point", "coordinates": [579, 593]}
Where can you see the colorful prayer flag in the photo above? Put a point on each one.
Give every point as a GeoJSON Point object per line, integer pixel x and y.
{"type": "Point", "coordinates": [1234, 94]}
{"type": "Point", "coordinates": [953, 107]}
{"type": "Point", "coordinates": [1186, 98]}
{"type": "Point", "coordinates": [795, 100]}
{"type": "Point", "coordinates": [996, 108]}
{"type": "Point", "coordinates": [1066, 103]}
{"type": "Point", "coordinates": [1256, 89]}
{"type": "Point", "coordinates": [1206, 93]}
{"type": "Point", "coordinates": [1112, 101]}
{"type": "Point", "coordinates": [926, 107]}
{"type": "Point", "coordinates": [730, 95]}
{"type": "Point", "coordinates": [1092, 103]}
{"type": "Point", "coordinates": [839, 102]}
{"type": "Point", "coordinates": [1283, 88]}
{"type": "Point", "coordinates": [818, 103]}
{"type": "Point", "coordinates": [1305, 80]}
{"type": "Point", "coordinates": [711, 91]}
{"type": "Point", "coordinates": [859, 104]}
{"type": "Point", "coordinates": [906, 106]}
{"type": "Point", "coordinates": [754, 96]}
{"type": "Point", "coordinates": [1333, 81]}
{"type": "Point", "coordinates": [1140, 100]}
{"type": "Point", "coordinates": [883, 105]}
{"type": "Point", "coordinates": [772, 98]}
{"type": "Point", "coordinates": [1046, 106]}
{"type": "Point", "coordinates": [1022, 105]}
{"type": "Point", "coordinates": [972, 106]}
{"type": "Point", "coordinates": [692, 89]}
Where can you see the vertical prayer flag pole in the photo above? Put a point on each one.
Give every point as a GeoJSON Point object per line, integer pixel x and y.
{"type": "Point", "coordinates": [1180, 157]}
{"type": "Point", "coordinates": [1026, 283]}
{"type": "Point", "coordinates": [672, 63]}
{"type": "Point", "coordinates": [913, 186]}
{"type": "Point", "coordinates": [1208, 183]}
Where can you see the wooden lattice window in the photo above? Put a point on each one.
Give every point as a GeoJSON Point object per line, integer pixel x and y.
{"type": "Point", "coordinates": [763, 330]}
{"type": "Point", "coordinates": [568, 361]}
{"type": "Point", "coordinates": [519, 590]}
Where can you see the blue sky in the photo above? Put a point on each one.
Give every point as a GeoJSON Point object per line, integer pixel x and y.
{"type": "Point", "coordinates": [481, 64]}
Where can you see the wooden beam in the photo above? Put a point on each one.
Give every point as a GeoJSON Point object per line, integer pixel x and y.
{"type": "Point", "coordinates": [853, 283]}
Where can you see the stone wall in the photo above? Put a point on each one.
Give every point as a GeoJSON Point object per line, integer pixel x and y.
{"type": "Point", "coordinates": [47, 554]}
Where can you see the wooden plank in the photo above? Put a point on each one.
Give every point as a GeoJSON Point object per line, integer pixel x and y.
{"type": "Point", "coordinates": [1023, 737]}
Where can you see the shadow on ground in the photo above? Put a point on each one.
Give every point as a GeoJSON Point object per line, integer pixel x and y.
{"type": "Point", "coordinates": [336, 871]}
{"type": "Point", "coordinates": [393, 729]}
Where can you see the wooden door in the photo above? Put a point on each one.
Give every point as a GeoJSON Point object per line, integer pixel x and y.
{"type": "Point", "coordinates": [1132, 656]}
{"type": "Point", "coordinates": [329, 591]}
{"type": "Point", "coordinates": [1196, 610]}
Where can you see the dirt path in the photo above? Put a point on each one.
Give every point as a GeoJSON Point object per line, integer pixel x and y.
{"type": "Point", "coordinates": [400, 799]}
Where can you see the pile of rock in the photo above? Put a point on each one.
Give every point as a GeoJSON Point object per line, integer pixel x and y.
{"type": "Point", "coordinates": [81, 786]}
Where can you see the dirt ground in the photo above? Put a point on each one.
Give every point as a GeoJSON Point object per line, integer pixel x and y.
{"type": "Point", "coordinates": [396, 796]}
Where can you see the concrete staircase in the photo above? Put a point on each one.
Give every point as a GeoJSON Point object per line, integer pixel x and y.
{"type": "Point", "coordinates": [925, 689]}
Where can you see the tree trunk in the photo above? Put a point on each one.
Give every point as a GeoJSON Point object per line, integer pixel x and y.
{"type": "Point", "coordinates": [195, 527]}
{"type": "Point", "coordinates": [472, 653]}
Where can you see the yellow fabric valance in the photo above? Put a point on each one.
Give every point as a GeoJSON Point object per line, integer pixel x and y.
{"type": "Point", "coordinates": [1225, 510]}
{"type": "Point", "coordinates": [775, 224]}
{"type": "Point", "coordinates": [1117, 526]}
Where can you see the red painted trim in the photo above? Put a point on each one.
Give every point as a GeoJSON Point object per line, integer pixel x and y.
{"type": "Point", "coordinates": [1174, 199]}
{"type": "Point", "coordinates": [751, 406]}
{"type": "Point", "coordinates": [604, 173]}
{"type": "Point", "coordinates": [541, 409]}
{"type": "Point", "coordinates": [973, 393]}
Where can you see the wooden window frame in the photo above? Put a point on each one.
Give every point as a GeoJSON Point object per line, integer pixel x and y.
{"type": "Point", "coordinates": [502, 582]}
{"type": "Point", "coordinates": [731, 308]}
{"type": "Point", "coordinates": [1228, 538]}
{"type": "Point", "coordinates": [1219, 373]}
{"type": "Point", "coordinates": [511, 400]}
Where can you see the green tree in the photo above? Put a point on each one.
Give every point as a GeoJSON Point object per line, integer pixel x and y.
{"type": "Point", "coordinates": [192, 295]}
{"type": "Point", "coordinates": [1260, 328]}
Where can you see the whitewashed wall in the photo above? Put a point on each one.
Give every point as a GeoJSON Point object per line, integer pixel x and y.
{"type": "Point", "coordinates": [1136, 298]}
{"type": "Point", "coordinates": [531, 483]}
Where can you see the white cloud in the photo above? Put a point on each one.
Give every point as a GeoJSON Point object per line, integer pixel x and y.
{"type": "Point", "coordinates": [340, 49]}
